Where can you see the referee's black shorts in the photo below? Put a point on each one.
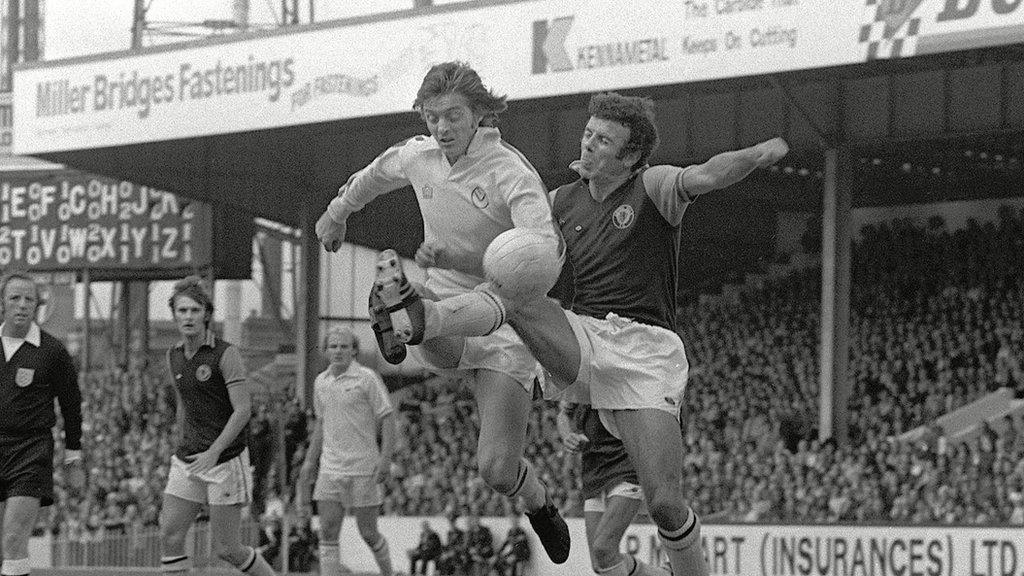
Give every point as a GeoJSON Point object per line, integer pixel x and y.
{"type": "Point", "coordinates": [26, 467]}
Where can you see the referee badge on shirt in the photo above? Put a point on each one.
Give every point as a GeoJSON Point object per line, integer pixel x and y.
{"type": "Point", "coordinates": [24, 377]}
{"type": "Point", "coordinates": [203, 373]}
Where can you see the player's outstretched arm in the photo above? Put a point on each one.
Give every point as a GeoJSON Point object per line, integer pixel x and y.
{"type": "Point", "coordinates": [728, 168]}
{"type": "Point", "coordinates": [381, 176]}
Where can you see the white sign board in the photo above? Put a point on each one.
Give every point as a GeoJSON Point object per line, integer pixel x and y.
{"type": "Point", "coordinates": [527, 49]}
{"type": "Point", "coordinates": [759, 550]}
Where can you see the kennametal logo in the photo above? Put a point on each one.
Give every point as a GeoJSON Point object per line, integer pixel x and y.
{"type": "Point", "coordinates": [550, 53]}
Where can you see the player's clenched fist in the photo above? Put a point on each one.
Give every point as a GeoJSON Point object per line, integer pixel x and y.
{"type": "Point", "coordinates": [771, 151]}
{"type": "Point", "coordinates": [330, 232]}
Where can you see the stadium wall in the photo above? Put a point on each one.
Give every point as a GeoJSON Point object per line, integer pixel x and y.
{"type": "Point", "coordinates": [740, 549]}
{"type": "Point", "coordinates": [762, 550]}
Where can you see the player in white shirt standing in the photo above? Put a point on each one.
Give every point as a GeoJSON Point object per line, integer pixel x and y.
{"type": "Point", "coordinates": [470, 186]}
{"type": "Point", "coordinates": [351, 404]}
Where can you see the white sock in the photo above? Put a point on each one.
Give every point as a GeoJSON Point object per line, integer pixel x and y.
{"type": "Point", "coordinates": [330, 560]}
{"type": "Point", "coordinates": [382, 553]}
{"type": "Point", "coordinates": [682, 546]}
{"type": "Point", "coordinates": [16, 567]}
{"type": "Point", "coordinates": [476, 313]}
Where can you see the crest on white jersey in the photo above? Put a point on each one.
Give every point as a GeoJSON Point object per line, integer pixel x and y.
{"type": "Point", "coordinates": [479, 198]}
{"type": "Point", "coordinates": [623, 217]}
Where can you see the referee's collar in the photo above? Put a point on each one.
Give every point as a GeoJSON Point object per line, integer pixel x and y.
{"type": "Point", "coordinates": [33, 337]}
{"type": "Point", "coordinates": [211, 341]}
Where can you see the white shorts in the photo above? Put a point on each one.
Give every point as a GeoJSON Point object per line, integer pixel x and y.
{"type": "Point", "coordinates": [622, 489]}
{"type": "Point", "coordinates": [351, 491]}
{"type": "Point", "coordinates": [225, 484]}
{"type": "Point", "coordinates": [628, 365]}
{"type": "Point", "coordinates": [502, 351]}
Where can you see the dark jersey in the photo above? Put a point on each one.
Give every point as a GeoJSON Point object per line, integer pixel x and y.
{"type": "Point", "coordinates": [623, 253]}
{"type": "Point", "coordinates": [30, 381]}
{"type": "Point", "coordinates": [605, 461]}
{"type": "Point", "coordinates": [203, 389]}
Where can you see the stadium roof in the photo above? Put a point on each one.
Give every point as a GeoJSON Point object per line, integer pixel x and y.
{"type": "Point", "coordinates": [271, 122]}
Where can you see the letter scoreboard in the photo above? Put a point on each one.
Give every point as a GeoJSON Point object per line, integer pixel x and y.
{"type": "Point", "coordinates": [67, 220]}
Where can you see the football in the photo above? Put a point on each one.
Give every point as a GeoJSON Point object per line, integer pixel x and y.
{"type": "Point", "coordinates": [523, 263]}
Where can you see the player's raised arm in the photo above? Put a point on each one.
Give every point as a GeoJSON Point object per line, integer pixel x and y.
{"type": "Point", "coordinates": [728, 168]}
{"type": "Point", "coordinates": [672, 188]}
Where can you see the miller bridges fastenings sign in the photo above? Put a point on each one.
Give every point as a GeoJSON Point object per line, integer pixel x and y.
{"type": "Point", "coordinates": [527, 49]}
{"type": "Point", "coordinates": [69, 220]}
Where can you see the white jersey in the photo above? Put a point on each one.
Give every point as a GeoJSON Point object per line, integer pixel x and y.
{"type": "Point", "coordinates": [349, 406]}
{"type": "Point", "coordinates": [486, 192]}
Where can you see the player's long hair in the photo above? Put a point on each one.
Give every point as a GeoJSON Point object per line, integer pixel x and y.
{"type": "Point", "coordinates": [459, 78]}
{"type": "Point", "coordinates": [192, 286]}
{"type": "Point", "coordinates": [633, 112]}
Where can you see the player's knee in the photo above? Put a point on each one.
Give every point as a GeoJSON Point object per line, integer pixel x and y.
{"type": "Point", "coordinates": [14, 543]}
{"type": "Point", "coordinates": [603, 553]}
{"type": "Point", "coordinates": [496, 472]}
{"type": "Point", "coordinates": [370, 535]}
{"type": "Point", "coordinates": [233, 553]}
{"type": "Point", "coordinates": [329, 529]}
{"type": "Point", "coordinates": [171, 537]}
{"type": "Point", "coordinates": [665, 506]}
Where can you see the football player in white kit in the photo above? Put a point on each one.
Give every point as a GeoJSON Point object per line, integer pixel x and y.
{"type": "Point", "coordinates": [351, 404]}
{"type": "Point", "coordinates": [470, 186]}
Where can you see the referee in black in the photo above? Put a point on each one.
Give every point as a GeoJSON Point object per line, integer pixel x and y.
{"type": "Point", "coordinates": [35, 368]}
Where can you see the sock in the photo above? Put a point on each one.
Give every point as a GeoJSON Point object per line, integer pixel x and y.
{"type": "Point", "coordinates": [18, 567]}
{"type": "Point", "coordinates": [682, 546]}
{"type": "Point", "coordinates": [330, 559]}
{"type": "Point", "coordinates": [529, 488]}
{"type": "Point", "coordinates": [256, 565]}
{"type": "Point", "coordinates": [476, 313]}
{"type": "Point", "coordinates": [174, 564]}
{"type": "Point", "coordinates": [382, 553]}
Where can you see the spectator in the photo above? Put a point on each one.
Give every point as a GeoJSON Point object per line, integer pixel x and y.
{"type": "Point", "coordinates": [514, 553]}
{"type": "Point", "coordinates": [452, 561]}
{"type": "Point", "coordinates": [479, 546]}
{"type": "Point", "coordinates": [427, 550]}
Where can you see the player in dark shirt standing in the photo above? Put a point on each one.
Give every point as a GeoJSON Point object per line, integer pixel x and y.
{"type": "Point", "coordinates": [34, 369]}
{"type": "Point", "coordinates": [211, 463]}
{"type": "Point", "coordinates": [621, 226]}
{"type": "Point", "coordinates": [611, 491]}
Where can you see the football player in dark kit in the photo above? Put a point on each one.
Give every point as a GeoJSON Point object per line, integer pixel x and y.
{"type": "Point", "coordinates": [35, 368]}
{"type": "Point", "coordinates": [621, 223]}
{"type": "Point", "coordinates": [211, 463]}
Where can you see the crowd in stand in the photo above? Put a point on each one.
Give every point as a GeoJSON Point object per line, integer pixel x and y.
{"type": "Point", "coordinates": [936, 322]}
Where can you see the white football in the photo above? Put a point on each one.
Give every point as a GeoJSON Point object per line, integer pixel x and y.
{"type": "Point", "coordinates": [523, 263]}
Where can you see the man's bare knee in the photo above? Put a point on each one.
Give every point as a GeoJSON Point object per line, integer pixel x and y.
{"type": "Point", "coordinates": [496, 472]}
{"type": "Point", "coordinates": [666, 506]}
{"type": "Point", "coordinates": [604, 553]}
{"type": "Point", "coordinates": [232, 553]}
{"type": "Point", "coordinates": [171, 538]}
